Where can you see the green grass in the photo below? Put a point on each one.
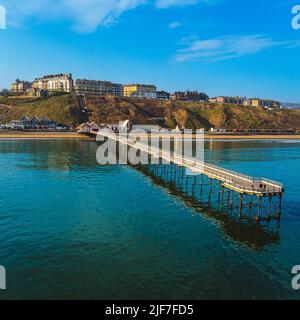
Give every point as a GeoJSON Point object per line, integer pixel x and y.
{"type": "Point", "coordinates": [63, 109]}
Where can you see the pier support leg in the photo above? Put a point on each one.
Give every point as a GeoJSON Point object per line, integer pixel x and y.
{"type": "Point", "coordinates": [250, 205]}
{"type": "Point", "coordinates": [219, 196]}
{"type": "Point", "coordinates": [187, 184]}
{"type": "Point", "coordinates": [201, 187]}
{"type": "Point", "coordinates": [231, 202]}
{"type": "Point", "coordinates": [222, 197]}
{"type": "Point", "coordinates": [279, 208]}
{"type": "Point", "coordinates": [269, 208]}
{"type": "Point", "coordinates": [228, 198]}
{"type": "Point", "coordinates": [241, 206]}
{"type": "Point", "coordinates": [259, 209]}
{"type": "Point", "coordinates": [194, 186]}
{"type": "Point", "coordinates": [173, 172]}
{"type": "Point", "coordinates": [210, 191]}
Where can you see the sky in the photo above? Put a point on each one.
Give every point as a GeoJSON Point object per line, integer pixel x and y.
{"type": "Point", "coordinates": [221, 47]}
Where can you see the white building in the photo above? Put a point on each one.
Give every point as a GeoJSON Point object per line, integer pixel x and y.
{"type": "Point", "coordinates": [218, 130]}
{"type": "Point", "coordinates": [92, 127]}
{"type": "Point", "coordinates": [98, 88]}
{"type": "Point", "coordinates": [140, 91]}
{"type": "Point", "coordinates": [55, 83]}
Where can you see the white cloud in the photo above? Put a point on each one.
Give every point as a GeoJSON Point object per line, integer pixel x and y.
{"type": "Point", "coordinates": [89, 14]}
{"type": "Point", "coordinates": [2, 17]}
{"type": "Point", "coordinates": [85, 15]}
{"type": "Point", "coordinates": [174, 25]}
{"type": "Point", "coordinates": [228, 47]}
{"type": "Point", "coordinates": [171, 3]}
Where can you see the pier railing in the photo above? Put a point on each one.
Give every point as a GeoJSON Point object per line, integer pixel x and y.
{"type": "Point", "coordinates": [238, 181]}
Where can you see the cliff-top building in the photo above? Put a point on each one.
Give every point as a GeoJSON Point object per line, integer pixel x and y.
{"type": "Point", "coordinates": [194, 96]}
{"type": "Point", "coordinates": [256, 102]}
{"type": "Point", "coordinates": [20, 86]}
{"type": "Point", "coordinates": [55, 83]}
{"type": "Point", "coordinates": [97, 87]}
{"type": "Point", "coordinates": [230, 100]}
{"type": "Point", "coordinates": [163, 95]}
{"type": "Point", "coordinates": [140, 91]}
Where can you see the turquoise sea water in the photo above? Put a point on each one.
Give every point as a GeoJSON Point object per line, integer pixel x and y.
{"type": "Point", "coordinates": [72, 229]}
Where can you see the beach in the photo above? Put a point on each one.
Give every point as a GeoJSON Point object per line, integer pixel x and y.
{"type": "Point", "coordinates": [74, 135]}
{"type": "Point", "coordinates": [228, 136]}
{"type": "Point", "coordinates": [43, 135]}
{"type": "Point", "coordinates": [253, 136]}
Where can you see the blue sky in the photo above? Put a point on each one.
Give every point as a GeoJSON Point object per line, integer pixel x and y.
{"type": "Point", "coordinates": [222, 47]}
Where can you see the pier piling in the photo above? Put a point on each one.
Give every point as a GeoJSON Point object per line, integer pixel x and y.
{"type": "Point", "coordinates": [175, 169]}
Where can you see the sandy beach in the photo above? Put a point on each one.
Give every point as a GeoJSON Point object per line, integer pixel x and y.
{"type": "Point", "coordinates": [254, 137]}
{"type": "Point", "coordinates": [224, 136]}
{"type": "Point", "coordinates": [74, 135]}
{"type": "Point", "coordinates": [241, 137]}
{"type": "Point", "coordinates": [43, 135]}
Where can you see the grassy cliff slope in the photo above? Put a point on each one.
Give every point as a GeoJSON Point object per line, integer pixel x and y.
{"type": "Point", "coordinates": [65, 109]}
{"type": "Point", "coordinates": [191, 115]}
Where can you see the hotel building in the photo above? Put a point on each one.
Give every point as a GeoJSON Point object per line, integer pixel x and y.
{"type": "Point", "coordinates": [231, 100]}
{"type": "Point", "coordinates": [194, 96]}
{"type": "Point", "coordinates": [140, 91]}
{"type": "Point", "coordinates": [20, 86]}
{"type": "Point", "coordinates": [265, 103]}
{"type": "Point", "coordinates": [55, 83]}
{"type": "Point", "coordinates": [163, 95]}
{"type": "Point", "coordinates": [96, 87]}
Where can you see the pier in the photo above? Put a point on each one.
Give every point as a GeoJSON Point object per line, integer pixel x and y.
{"type": "Point", "coordinates": [220, 188]}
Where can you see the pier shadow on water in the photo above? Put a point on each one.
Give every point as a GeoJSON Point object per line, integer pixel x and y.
{"type": "Point", "coordinates": [246, 231]}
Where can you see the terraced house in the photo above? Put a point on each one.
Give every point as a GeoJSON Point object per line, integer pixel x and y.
{"type": "Point", "coordinates": [256, 102]}
{"type": "Point", "coordinates": [20, 86]}
{"type": "Point", "coordinates": [32, 124]}
{"type": "Point", "coordinates": [98, 88]}
{"type": "Point", "coordinates": [141, 91]}
{"type": "Point", "coordinates": [163, 95]}
{"type": "Point", "coordinates": [231, 100]}
{"type": "Point", "coordinates": [193, 96]}
{"type": "Point", "coordinates": [55, 83]}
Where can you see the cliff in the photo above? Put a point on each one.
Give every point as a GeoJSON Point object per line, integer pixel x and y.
{"type": "Point", "coordinates": [66, 110]}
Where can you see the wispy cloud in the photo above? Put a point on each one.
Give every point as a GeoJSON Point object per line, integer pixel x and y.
{"type": "Point", "coordinates": [174, 25]}
{"type": "Point", "coordinates": [171, 3]}
{"type": "Point", "coordinates": [2, 17]}
{"type": "Point", "coordinates": [84, 15]}
{"type": "Point", "coordinates": [228, 47]}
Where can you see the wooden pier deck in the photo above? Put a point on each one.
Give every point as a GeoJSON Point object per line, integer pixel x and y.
{"type": "Point", "coordinates": [244, 185]}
